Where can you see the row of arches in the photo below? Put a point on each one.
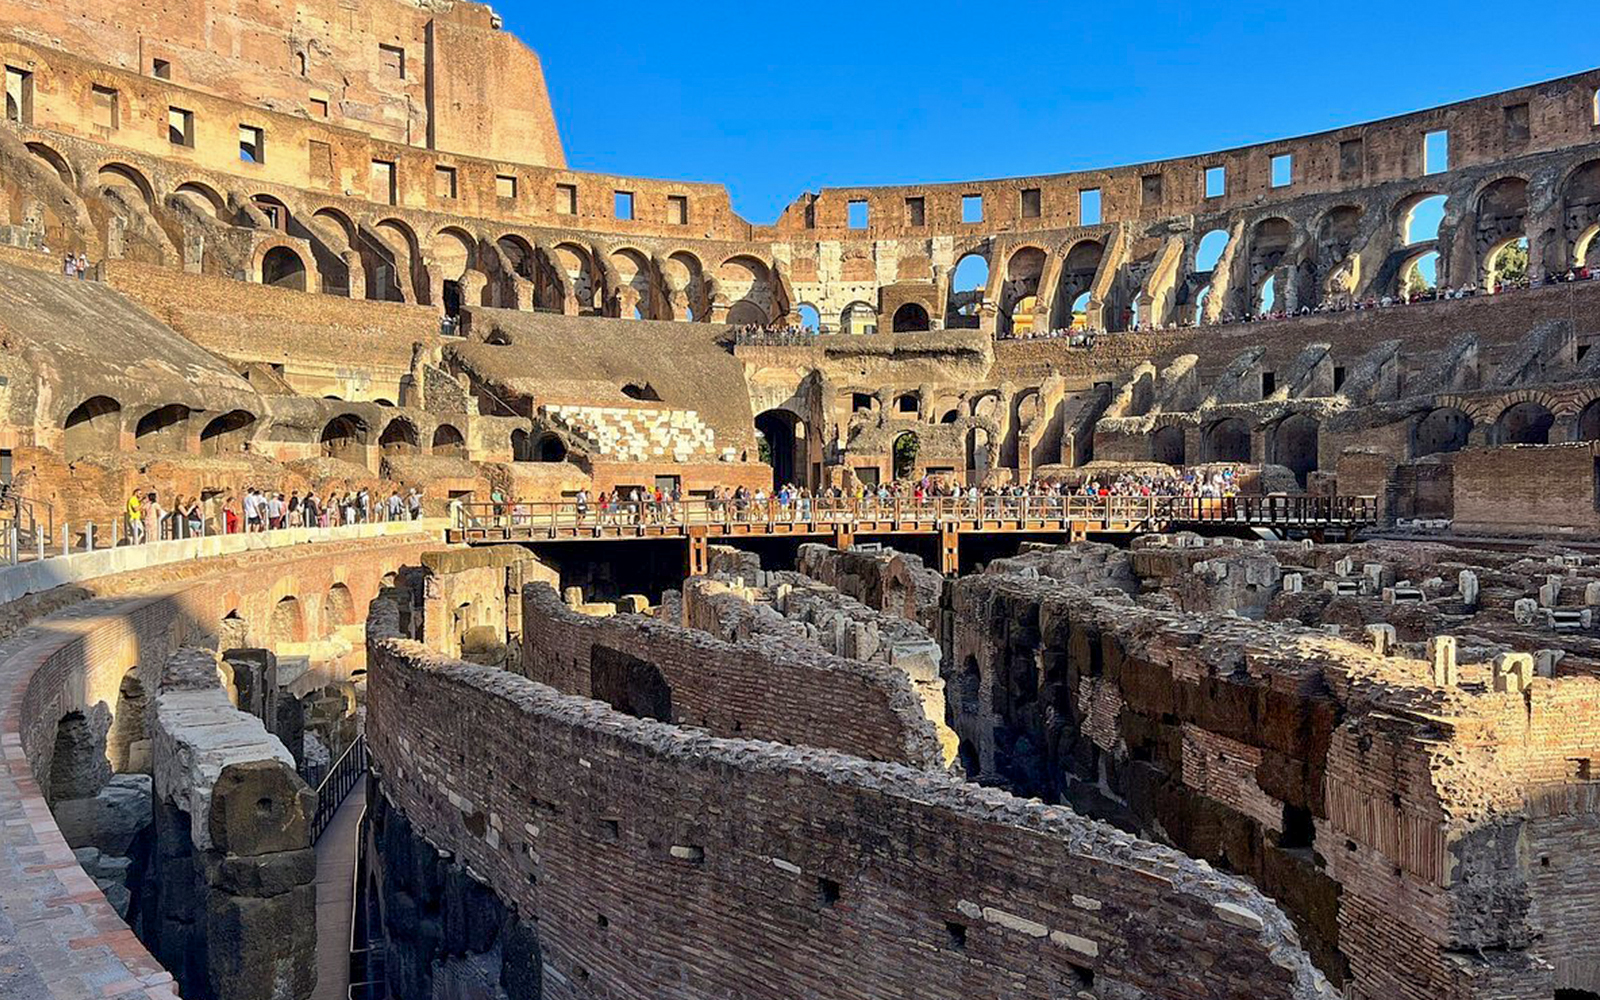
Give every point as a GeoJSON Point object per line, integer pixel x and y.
{"type": "Point", "coordinates": [97, 425]}
{"type": "Point", "coordinates": [1446, 429]}
{"type": "Point", "coordinates": [347, 435]}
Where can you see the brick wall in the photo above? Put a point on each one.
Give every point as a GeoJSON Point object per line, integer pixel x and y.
{"type": "Point", "coordinates": [764, 688]}
{"type": "Point", "coordinates": [658, 861]}
{"type": "Point", "coordinates": [1529, 489]}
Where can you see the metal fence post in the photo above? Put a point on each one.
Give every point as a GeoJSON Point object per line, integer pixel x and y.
{"type": "Point", "coordinates": [89, 536]}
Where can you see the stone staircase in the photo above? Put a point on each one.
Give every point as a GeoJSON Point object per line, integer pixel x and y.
{"type": "Point", "coordinates": [637, 435]}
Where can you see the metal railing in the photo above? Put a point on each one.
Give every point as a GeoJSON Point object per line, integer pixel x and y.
{"type": "Point", "coordinates": [622, 518]}
{"type": "Point", "coordinates": [26, 526]}
{"type": "Point", "coordinates": [341, 778]}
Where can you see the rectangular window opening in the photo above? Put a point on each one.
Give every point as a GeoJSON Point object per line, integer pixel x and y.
{"type": "Point", "coordinates": [1032, 203]}
{"type": "Point", "coordinates": [1216, 182]}
{"type": "Point", "coordinates": [1089, 207]}
{"type": "Point", "coordinates": [319, 107]}
{"type": "Point", "coordinates": [827, 892]}
{"type": "Point", "coordinates": [161, 69]}
{"type": "Point", "coordinates": [505, 186]}
{"type": "Point", "coordinates": [444, 182]}
{"type": "Point", "coordinates": [860, 216]}
{"type": "Point", "coordinates": [972, 208]}
{"type": "Point", "coordinates": [19, 96]}
{"type": "Point", "coordinates": [1269, 383]}
{"type": "Point", "coordinates": [622, 204]}
{"type": "Point", "coordinates": [107, 114]}
{"type": "Point", "coordinates": [1338, 377]}
{"type": "Point", "coordinates": [1518, 130]}
{"type": "Point", "coordinates": [252, 144]}
{"type": "Point", "coordinates": [1352, 156]}
{"type": "Point", "coordinates": [1150, 191]}
{"type": "Point", "coordinates": [916, 212]}
{"type": "Point", "coordinates": [392, 60]}
{"type": "Point", "coordinates": [383, 182]}
{"type": "Point", "coordinates": [1436, 152]}
{"type": "Point", "coordinates": [1283, 170]}
{"type": "Point", "coordinates": [566, 199]}
{"type": "Point", "coordinates": [180, 127]}
{"type": "Point", "coordinates": [677, 210]}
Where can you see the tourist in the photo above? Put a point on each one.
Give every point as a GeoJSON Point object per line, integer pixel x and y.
{"type": "Point", "coordinates": [414, 504]}
{"type": "Point", "coordinates": [83, 265]}
{"type": "Point", "coordinates": [153, 517]}
{"type": "Point", "coordinates": [69, 265]}
{"type": "Point", "coordinates": [230, 518]}
{"type": "Point", "coordinates": [396, 505]}
{"type": "Point", "coordinates": [135, 515]}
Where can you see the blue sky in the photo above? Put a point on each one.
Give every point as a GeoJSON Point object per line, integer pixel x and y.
{"type": "Point", "coordinates": [777, 99]}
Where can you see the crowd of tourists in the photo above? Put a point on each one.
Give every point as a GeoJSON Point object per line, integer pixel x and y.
{"type": "Point", "coordinates": [1075, 337]}
{"type": "Point", "coordinates": [762, 335]}
{"type": "Point", "coordinates": [75, 265]}
{"type": "Point", "coordinates": [148, 519]}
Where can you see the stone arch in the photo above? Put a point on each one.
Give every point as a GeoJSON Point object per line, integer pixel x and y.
{"type": "Point", "coordinates": [1227, 440]}
{"type": "Point", "coordinates": [903, 453]}
{"type": "Point", "coordinates": [163, 429]}
{"type": "Point", "coordinates": [1024, 268]}
{"type": "Point", "coordinates": [273, 208]}
{"type": "Point", "coordinates": [287, 623]}
{"type": "Point", "coordinates": [1167, 445]}
{"type": "Point", "coordinates": [343, 222]}
{"type": "Point", "coordinates": [1525, 422]}
{"type": "Point", "coordinates": [79, 767]}
{"type": "Point", "coordinates": [447, 441]}
{"type": "Point", "coordinates": [1502, 210]}
{"type": "Point", "coordinates": [399, 252]}
{"type": "Point", "coordinates": [550, 448]}
{"type": "Point", "coordinates": [452, 254]}
{"type": "Point", "coordinates": [858, 318]}
{"type": "Point", "coordinates": [53, 158]}
{"type": "Point", "coordinates": [227, 433]}
{"type": "Point", "coordinates": [1419, 272]}
{"type": "Point", "coordinates": [628, 684]}
{"type": "Point", "coordinates": [1441, 430]}
{"type": "Point", "coordinates": [746, 283]}
{"type": "Point", "coordinates": [980, 451]}
{"type": "Point", "coordinates": [910, 318]}
{"type": "Point", "coordinates": [969, 283]}
{"type": "Point", "coordinates": [1294, 444]}
{"type": "Point", "coordinates": [1270, 240]}
{"type": "Point", "coordinates": [1506, 262]}
{"type": "Point", "coordinates": [344, 437]}
{"type": "Point", "coordinates": [121, 174]}
{"type": "Point", "coordinates": [579, 265]}
{"type": "Point", "coordinates": [400, 437]}
{"type": "Point", "coordinates": [338, 608]}
{"type": "Point", "coordinates": [633, 270]}
{"type": "Point", "coordinates": [283, 267]}
{"type": "Point", "coordinates": [1421, 208]}
{"type": "Point", "coordinates": [810, 318]}
{"type": "Point", "coordinates": [1078, 269]}
{"type": "Point", "coordinates": [784, 434]}
{"type": "Point", "coordinates": [127, 741]}
{"type": "Point", "coordinates": [93, 426]}
{"type": "Point", "coordinates": [1586, 425]}
{"type": "Point", "coordinates": [202, 198]}
{"type": "Point", "coordinates": [684, 277]}
{"type": "Point", "coordinates": [1209, 250]}
{"type": "Point", "coordinates": [1580, 204]}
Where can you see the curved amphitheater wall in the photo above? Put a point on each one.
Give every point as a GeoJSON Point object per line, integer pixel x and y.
{"type": "Point", "coordinates": [78, 644]}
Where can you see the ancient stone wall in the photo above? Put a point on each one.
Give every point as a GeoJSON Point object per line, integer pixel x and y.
{"type": "Point", "coordinates": [765, 688]}
{"type": "Point", "coordinates": [1528, 489]}
{"type": "Point", "coordinates": [686, 853]}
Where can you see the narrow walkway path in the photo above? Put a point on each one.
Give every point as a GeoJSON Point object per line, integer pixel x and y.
{"type": "Point", "coordinates": [336, 866]}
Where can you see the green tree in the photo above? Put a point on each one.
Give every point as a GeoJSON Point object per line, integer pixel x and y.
{"type": "Point", "coordinates": [1511, 264]}
{"type": "Point", "coordinates": [906, 447]}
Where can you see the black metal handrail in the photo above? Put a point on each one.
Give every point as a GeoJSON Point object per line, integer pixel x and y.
{"type": "Point", "coordinates": [341, 779]}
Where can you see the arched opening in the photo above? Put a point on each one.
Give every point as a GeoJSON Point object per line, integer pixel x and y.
{"type": "Point", "coordinates": [164, 429]}
{"type": "Point", "coordinates": [782, 445]}
{"type": "Point", "coordinates": [1212, 245]}
{"type": "Point", "coordinates": [521, 446]}
{"type": "Point", "coordinates": [55, 160]}
{"type": "Point", "coordinates": [344, 436]}
{"type": "Point", "coordinates": [120, 175]}
{"type": "Point", "coordinates": [1587, 426]}
{"type": "Point", "coordinates": [126, 745]}
{"type": "Point", "coordinates": [1018, 294]}
{"type": "Point", "coordinates": [1269, 244]}
{"type": "Point", "coordinates": [1420, 217]}
{"type": "Point", "coordinates": [400, 437]}
{"type": "Point", "coordinates": [634, 271]}
{"type": "Point", "coordinates": [276, 212]}
{"type": "Point", "coordinates": [1526, 422]}
{"type": "Point", "coordinates": [907, 404]}
{"type": "Point", "coordinates": [858, 319]}
{"type": "Point", "coordinates": [575, 261]}
{"type": "Point", "coordinates": [977, 452]}
{"type": "Point", "coordinates": [338, 608]}
{"type": "Point", "coordinates": [645, 392]}
{"type": "Point", "coordinates": [1167, 445]}
{"type": "Point", "coordinates": [628, 684]}
{"type": "Point", "coordinates": [906, 448]}
{"type": "Point", "coordinates": [1023, 318]}
{"type": "Point", "coordinates": [910, 318]}
{"type": "Point", "coordinates": [281, 267]}
{"type": "Point", "coordinates": [1508, 265]}
{"type": "Point", "coordinates": [810, 319]}
{"type": "Point", "coordinates": [1078, 270]}
{"type": "Point", "coordinates": [227, 433]}
{"type": "Point", "coordinates": [1581, 203]}
{"type": "Point", "coordinates": [94, 426]}
{"type": "Point", "coordinates": [1228, 440]}
{"type": "Point", "coordinates": [683, 276]}
{"type": "Point", "coordinates": [1440, 431]}
{"type": "Point", "coordinates": [287, 625]}
{"type": "Point", "coordinates": [201, 198]}
{"type": "Point", "coordinates": [78, 764]}
{"type": "Point", "coordinates": [1200, 304]}
{"type": "Point", "coordinates": [967, 285]}
{"type": "Point", "coordinates": [550, 449]}
{"type": "Point", "coordinates": [746, 283]}
{"type": "Point", "coordinates": [447, 441]}
{"type": "Point", "coordinates": [1420, 276]}
{"type": "Point", "coordinates": [1294, 445]}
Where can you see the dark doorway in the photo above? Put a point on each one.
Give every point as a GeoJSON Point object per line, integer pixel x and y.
{"type": "Point", "coordinates": [780, 443]}
{"type": "Point", "coordinates": [629, 684]}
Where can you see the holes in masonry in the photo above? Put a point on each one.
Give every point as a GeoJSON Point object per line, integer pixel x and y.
{"type": "Point", "coordinates": [602, 920]}
{"type": "Point", "coordinates": [827, 892]}
{"type": "Point", "coordinates": [1085, 977]}
{"type": "Point", "coordinates": [610, 829]}
{"type": "Point", "coordinates": [957, 934]}
{"type": "Point", "coordinates": [263, 807]}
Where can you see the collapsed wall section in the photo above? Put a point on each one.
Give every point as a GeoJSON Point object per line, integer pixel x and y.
{"type": "Point", "coordinates": [658, 861]}
{"type": "Point", "coordinates": [1389, 809]}
{"type": "Point", "coordinates": [766, 687]}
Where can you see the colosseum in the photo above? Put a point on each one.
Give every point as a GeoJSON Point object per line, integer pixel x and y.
{"type": "Point", "coordinates": [430, 572]}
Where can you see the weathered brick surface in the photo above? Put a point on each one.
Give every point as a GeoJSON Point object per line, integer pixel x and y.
{"type": "Point", "coordinates": [764, 688]}
{"type": "Point", "coordinates": [726, 868]}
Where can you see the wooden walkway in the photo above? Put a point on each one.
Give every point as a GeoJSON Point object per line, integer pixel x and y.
{"type": "Point", "coordinates": [336, 870]}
